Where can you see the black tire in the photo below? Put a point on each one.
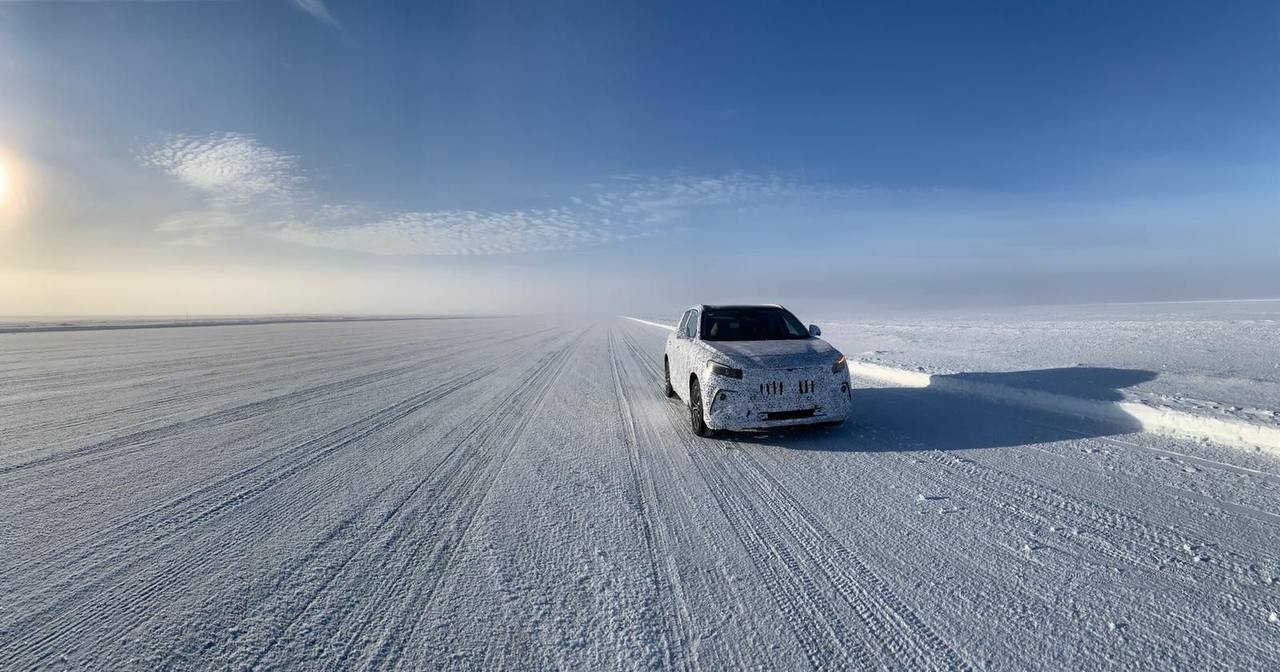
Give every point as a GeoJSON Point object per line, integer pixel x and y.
{"type": "Point", "coordinates": [666, 382]}
{"type": "Point", "coordinates": [696, 420]}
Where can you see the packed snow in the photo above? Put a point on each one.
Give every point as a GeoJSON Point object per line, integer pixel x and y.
{"type": "Point", "coordinates": [518, 493]}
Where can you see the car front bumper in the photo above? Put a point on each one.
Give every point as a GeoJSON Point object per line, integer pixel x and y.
{"type": "Point", "coordinates": [766, 398]}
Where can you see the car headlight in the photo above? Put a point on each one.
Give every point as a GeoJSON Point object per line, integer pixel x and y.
{"type": "Point", "coordinates": [716, 369]}
{"type": "Point", "coordinates": [839, 364]}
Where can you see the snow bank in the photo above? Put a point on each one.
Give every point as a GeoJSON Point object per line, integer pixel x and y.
{"type": "Point", "coordinates": [668, 327]}
{"type": "Point", "coordinates": [1149, 418]}
{"type": "Point", "coordinates": [889, 374]}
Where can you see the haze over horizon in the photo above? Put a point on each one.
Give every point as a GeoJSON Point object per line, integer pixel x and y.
{"type": "Point", "coordinates": [340, 157]}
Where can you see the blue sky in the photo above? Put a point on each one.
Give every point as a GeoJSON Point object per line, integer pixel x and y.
{"type": "Point", "coordinates": [393, 157]}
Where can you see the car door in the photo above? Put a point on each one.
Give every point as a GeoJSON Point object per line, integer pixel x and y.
{"type": "Point", "coordinates": [687, 351]}
{"type": "Point", "coordinates": [675, 354]}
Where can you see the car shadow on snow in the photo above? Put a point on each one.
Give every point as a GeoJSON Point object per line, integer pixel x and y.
{"type": "Point", "coordinates": [937, 418]}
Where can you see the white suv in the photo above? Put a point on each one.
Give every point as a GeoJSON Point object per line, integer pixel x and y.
{"type": "Point", "coordinates": [754, 367]}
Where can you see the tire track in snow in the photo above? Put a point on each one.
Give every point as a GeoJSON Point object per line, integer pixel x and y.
{"type": "Point", "coordinates": [140, 440]}
{"type": "Point", "coordinates": [430, 523]}
{"type": "Point", "coordinates": [818, 625]}
{"type": "Point", "coordinates": [73, 610]}
{"type": "Point", "coordinates": [1166, 552]}
{"type": "Point", "coordinates": [1091, 538]}
{"type": "Point", "coordinates": [673, 630]}
{"type": "Point", "coordinates": [180, 514]}
{"type": "Point", "coordinates": [684, 523]}
{"type": "Point", "coordinates": [965, 589]}
{"type": "Point", "coordinates": [1140, 532]}
{"type": "Point", "coordinates": [309, 579]}
{"type": "Point", "coordinates": [1128, 538]}
{"type": "Point", "coordinates": [147, 520]}
{"type": "Point", "coordinates": [1236, 507]}
{"type": "Point", "coordinates": [526, 404]}
{"type": "Point", "coordinates": [228, 367]}
{"type": "Point", "coordinates": [892, 633]}
{"type": "Point", "coordinates": [909, 641]}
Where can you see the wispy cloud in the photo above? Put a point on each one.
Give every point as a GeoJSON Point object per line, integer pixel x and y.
{"type": "Point", "coordinates": [457, 232]}
{"type": "Point", "coordinates": [624, 208]}
{"type": "Point", "coordinates": [655, 199]}
{"type": "Point", "coordinates": [232, 168]}
{"type": "Point", "coordinates": [319, 10]}
{"type": "Point", "coordinates": [249, 188]}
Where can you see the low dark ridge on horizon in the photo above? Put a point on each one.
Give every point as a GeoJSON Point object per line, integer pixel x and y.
{"type": "Point", "coordinates": [127, 323]}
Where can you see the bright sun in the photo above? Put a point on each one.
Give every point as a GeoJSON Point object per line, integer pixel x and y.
{"type": "Point", "coordinates": [4, 185]}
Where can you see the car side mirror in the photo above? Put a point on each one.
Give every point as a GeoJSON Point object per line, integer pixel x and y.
{"type": "Point", "coordinates": [814, 330]}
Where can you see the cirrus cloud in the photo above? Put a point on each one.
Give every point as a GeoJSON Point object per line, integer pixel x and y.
{"type": "Point", "coordinates": [250, 188]}
{"type": "Point", "coordinates": [319, 10]}
{"type": "Point", "coordinates": [455, 232]}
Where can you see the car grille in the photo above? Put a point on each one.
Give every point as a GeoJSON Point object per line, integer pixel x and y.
{"type": "Point", "coordinates": [777, 387]}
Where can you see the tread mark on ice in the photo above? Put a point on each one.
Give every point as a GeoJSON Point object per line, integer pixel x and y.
{"type": "Point", "coordinates": [136, 441]}
{"type": "Point", "coordinates": [906, 640]}
{"type": "Point", "coordinates": [179, 522]}
{"type": "Point", "coordinates": [665, 583]}
{"type": "Point", "coordinates": [391, 643]}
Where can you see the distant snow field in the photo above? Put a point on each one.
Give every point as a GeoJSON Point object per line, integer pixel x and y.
{"type": "Point", "coordinates": [1216, 360]}
{"type": "Point", "coordinates": [518, 493]}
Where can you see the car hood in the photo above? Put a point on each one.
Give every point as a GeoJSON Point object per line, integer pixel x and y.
{"type": "Point", "coordinates": [774, 354]}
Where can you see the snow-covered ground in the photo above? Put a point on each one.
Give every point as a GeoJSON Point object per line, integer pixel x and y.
{"type": "Point", "coordinates": [518, 493]}
{"type": "Point", "coordinates": [1216, 359]}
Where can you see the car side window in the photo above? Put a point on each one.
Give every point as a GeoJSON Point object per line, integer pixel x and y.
{"type": "Point", "coordinates": [691, 324]}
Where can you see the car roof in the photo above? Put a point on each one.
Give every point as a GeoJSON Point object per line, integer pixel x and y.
{"type": "Point", "coordinates": [705, 306]}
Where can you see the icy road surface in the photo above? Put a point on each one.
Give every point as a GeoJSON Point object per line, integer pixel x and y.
{"type": "Point", "coordinates": [518, 493]}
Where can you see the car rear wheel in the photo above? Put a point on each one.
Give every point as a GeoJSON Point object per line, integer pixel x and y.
{"type": "Point", "coordinates": [666, 379]}
{"type": "Point", "coordinates": [696, 420]}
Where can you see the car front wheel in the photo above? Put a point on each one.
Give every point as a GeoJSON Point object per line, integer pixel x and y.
{"type": "Point", "coordinates": [697, 421]}
{"type": "Point", "coordinates": [666, 376]}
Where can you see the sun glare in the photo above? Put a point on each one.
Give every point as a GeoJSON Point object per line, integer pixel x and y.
{"type": "Point", "coordinates": [15, 180]}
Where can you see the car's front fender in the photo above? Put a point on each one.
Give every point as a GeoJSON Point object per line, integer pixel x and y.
{"type": "Point", "coordinates": [673, 356]}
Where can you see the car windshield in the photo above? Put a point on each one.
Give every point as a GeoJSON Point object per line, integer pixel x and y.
{"type": "Point", "coordinates": [751, 324]}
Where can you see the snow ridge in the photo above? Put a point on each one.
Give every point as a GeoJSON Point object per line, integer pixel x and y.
{"type": "Point", "coordinates": [659, 325]}
{"type": "Point", "coordinates": [1154, 419]}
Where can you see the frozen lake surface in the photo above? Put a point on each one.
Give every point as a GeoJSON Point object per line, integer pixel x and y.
{"type": "Point", "coordinates": [518, 493]}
